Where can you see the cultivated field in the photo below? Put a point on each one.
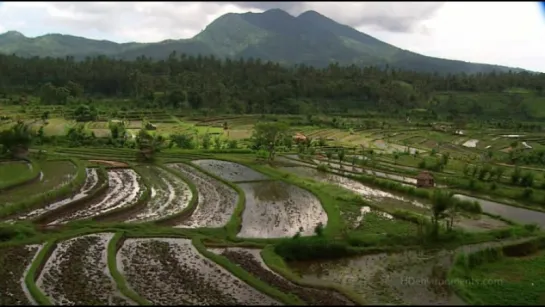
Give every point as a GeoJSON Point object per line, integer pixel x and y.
{"type": "Point", "coordinates": [339, 220]}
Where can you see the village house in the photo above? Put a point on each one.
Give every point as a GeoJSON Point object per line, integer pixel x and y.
{"type": "Point", "coordinates": [425, 180]}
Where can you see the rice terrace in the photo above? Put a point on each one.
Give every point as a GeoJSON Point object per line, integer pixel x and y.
{"type": "Point", "coordinates": [303, 222]}
{"type": "Point", "coordinates": [191, 180]}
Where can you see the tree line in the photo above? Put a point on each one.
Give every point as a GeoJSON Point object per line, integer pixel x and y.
{"type": "Point", "coordinates": [245, 85]}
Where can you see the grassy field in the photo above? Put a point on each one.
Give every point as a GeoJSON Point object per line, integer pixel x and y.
{"type": "Point", "coordinates": [54, 174]}
{"type": "Point", "coordinates": [519, 281]}
{"type": "Point", "coordinates": [13, 173]}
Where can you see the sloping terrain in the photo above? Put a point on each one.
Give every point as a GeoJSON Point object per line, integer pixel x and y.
{"type": "Point", "coordinates": [274, 35]}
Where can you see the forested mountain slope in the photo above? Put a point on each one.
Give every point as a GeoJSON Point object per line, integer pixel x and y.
{"type": "Point", "coordinates": [274, 35]}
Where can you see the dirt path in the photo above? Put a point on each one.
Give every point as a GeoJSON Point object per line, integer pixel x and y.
{"type": "Point", "coordinates": [110, 163]}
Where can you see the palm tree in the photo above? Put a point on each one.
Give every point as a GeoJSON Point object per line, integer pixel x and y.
{"type": "Point", "coordinates": [441, 203]}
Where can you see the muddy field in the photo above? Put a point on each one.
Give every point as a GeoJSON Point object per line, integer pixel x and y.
{"type": "Point", "coordinates": [415, 278]}
{"type": "Point", "coordinates": [172, 272]}
{"type": "Point", "coordinates": [77, 273]}
{"type": "Point", "coordinates": [216, 201]}
{"type": "Point", "coordinates": [124, 190]}
{"type": "Point", "coordinates": [277, 209]}
{"type": "Point", "coordinates": [169, 195]}
{"type": "Point", "coordinates": [250, 260]}
{"type": "Point", "coordinates": [91, 182]}
{"type": "Point", "coordinates": [14, 264]}
{"type": "Point", "coordinates": [229, 171]}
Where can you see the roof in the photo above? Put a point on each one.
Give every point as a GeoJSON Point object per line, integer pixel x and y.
{"type": "Point", "coordinates": [299, 136]}
{"type": "Point", "coordinates": [425, 175]}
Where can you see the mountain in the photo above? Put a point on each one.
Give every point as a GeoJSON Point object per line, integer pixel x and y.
{"type": "Point", "coordinates": [274, 35]}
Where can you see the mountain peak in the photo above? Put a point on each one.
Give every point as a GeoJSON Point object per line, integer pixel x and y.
{"type": "Point", "coordinates": [311, 13]}
{"type": "Point", "coordinates": [13, 34]}
{"type": "Point", "coordinates": [277, 12]}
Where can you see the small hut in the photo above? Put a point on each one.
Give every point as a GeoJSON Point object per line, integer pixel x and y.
{"type": "Point", "coordinates": [299, 138]}
{"type": "Point", "coordinates": [425, 180]}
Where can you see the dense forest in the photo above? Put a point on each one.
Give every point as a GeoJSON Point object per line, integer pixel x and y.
{"type": "Point", "coordinates": [255, 86]}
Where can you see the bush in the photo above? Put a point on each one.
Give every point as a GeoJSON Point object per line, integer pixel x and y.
{"type": "Point", "coordinates": [307, 248]}
{"type": "Point", "coordinates": [16, 231]}
{"type": "Point", "coordinates": [322, 167]}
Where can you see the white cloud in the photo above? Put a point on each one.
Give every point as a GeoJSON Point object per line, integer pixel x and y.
{"type": "Point", "coordinates": [506, 33]}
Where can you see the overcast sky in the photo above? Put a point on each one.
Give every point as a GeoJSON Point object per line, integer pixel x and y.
{"type": "Point", "coordinates": [506, 33]}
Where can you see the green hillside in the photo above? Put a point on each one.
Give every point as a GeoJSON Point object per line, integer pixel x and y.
{"type": "Point", "coordinates": [274, 35]}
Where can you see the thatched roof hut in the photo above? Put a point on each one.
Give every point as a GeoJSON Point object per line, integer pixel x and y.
{"type": "Point", "coordinates": [425, 180]}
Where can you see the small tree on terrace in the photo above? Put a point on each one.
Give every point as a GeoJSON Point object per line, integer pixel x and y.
{"type": "Point", "coordinates": [269, 136]}
{"type": "Point", "coordinates": [340, 155]}
{"type": "Point", "coordinates": [329, 155]}
{"type": "Point", "coordinates": [16, 140]}
{"type": "Point", "coordinates": [148, 145]}
{"type": "Point", "coordinates": [45, 116]}
{"type": "Point", "coordinates": [441, 203]}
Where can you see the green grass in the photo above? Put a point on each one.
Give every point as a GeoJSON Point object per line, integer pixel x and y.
{"type": "Point", "coordinates": [375, 223]}
{"type": "Point", "coordinates": [55, 175]}
{"type": "Point", "coordinates": [33, 272]}
{"type": "Point", "coordinates": [47, 190]}
{"type": "Point", "coordinates": [16, 173]}
{"type": "Point", "coordinates": [508, 275]}
{"type": "Point", "coordinates": [515, 281]}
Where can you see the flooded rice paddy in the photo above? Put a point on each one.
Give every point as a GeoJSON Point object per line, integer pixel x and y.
{"type": "Point", "coordinates": [55, 174]}
{"type": "Point", "coordinates": [124, 191]}
{"type": "Point", "coordinates": [173, 272]}
{"type": "Point", "coordinates": [169, 195]}
{"type": "Point", "coordinates": [277, 209]}
{"type": "Point", "coordinates": [216, 200]}
{"type": "Point", "coordinates": [520, 215]}
{"type": "Point", "coordinates": [412, 277]}
{"type": "Point", "coordinates": [229, 171]}
{"type": "Point", "coordinates": [77, 273]}
{"type": "Point", "coordinates": [91, 182]}
{"type": "Point", "coordinates": [250, 260]}
{"type": "Point", "coordinates": [391, 201]}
